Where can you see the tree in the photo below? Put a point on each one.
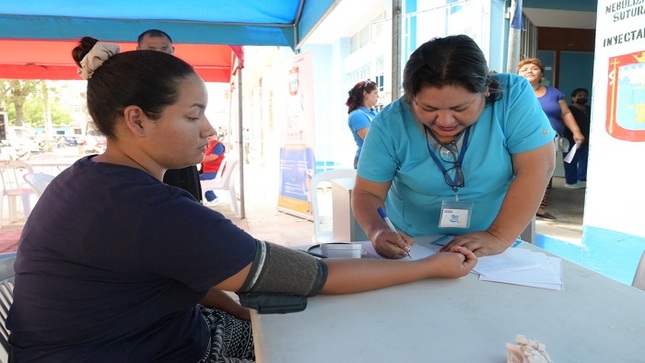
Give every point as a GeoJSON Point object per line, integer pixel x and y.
{"type": "Point", "coordinates": [16, 92]}
{"type": "Point", "coordinates": [4, 90]}
{"type": "Point", "coordinates": [34, 111]}
{"type": "Point", "coordinates": [35, 101]}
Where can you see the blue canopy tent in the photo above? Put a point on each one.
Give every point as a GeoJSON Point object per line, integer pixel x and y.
{"type": "Point", "coordinates": [36, 37]}
{"type": "Point", "coordinates": [248, 22]}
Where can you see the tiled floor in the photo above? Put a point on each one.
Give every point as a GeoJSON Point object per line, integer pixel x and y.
{"type": "Point", "coordinates": [568, 206]}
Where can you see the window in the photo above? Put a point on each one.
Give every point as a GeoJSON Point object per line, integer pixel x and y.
{"type": "Point", "coordinates": [374, 30]}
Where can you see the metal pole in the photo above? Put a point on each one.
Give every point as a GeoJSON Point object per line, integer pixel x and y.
{"type": "Point", "coordinates": [396, 49]}
{"type": "Point", "coordinates": [514, 36]}
{"type": "Point", "coordinates": [240, 141]}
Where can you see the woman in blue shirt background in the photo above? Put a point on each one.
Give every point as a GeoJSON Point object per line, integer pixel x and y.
{"type": "Point", "coordinates": [555, 107]}
{"type": "Point", "coordinates": [362, 98]}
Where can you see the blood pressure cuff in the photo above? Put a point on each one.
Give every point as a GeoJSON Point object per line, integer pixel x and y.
{"type": "Point", "coordinates": [273, 303]}
{"type": "Point", "coordinates": [281, 279]}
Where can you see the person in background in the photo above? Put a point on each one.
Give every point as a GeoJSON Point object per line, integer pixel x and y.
{"type": "Point", "coordinates": [575, 172]}
{"type": "Point", "coordinates": [186, 178]}
{"type": "Point", "coordinates": [112, 262]}
{"type": "Point", "coordinates": [246, 141]}
{"type": "Point", "coordinates": [463, 152]}
{"type": "Point", "coordinates": [555, 107]}
{"type": "Point", "coordinates": [155, 39]}
{"type": "Point", "coordinates": [213, 157]}
{"type": "Point", "coordinates": [362, 99]}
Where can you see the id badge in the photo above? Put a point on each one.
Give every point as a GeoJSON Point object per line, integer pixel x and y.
{"type": "Point", "coordinates": [455, 214]}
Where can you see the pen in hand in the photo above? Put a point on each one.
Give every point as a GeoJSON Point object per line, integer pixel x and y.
{"type": "Point", "coordinates": [387, 220]}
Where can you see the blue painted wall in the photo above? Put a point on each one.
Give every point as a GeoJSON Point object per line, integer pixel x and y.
{"type": "Point", "coordinates": [548, 61]}
{"type": "Point", "coordinates": [613, 254]}
{"type": "Point", "coordinates": [576, 70]}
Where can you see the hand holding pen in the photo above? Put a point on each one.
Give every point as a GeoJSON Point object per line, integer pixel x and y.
{"type": "Point", "coordinates": [389, 223]}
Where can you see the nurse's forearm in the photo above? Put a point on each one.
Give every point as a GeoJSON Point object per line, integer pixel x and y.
{"type": "Point", "coordinates": [364, 206]}
{"type": "Point", "coordinates": [533, 170]}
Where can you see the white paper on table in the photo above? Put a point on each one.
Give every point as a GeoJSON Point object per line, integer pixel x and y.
{"type": "Point", "coordinates": [371, 252]}
{"type": "Point", "coordinates": [422, 247]}
{"type": "Point", "coordinates": [511, 260]}
{"type": "Point", "coordinates": [434, 241]}
{"type": "Point", "coordinates": [571, 154]}
{"type": "Point", "coordinates": [547, 276]}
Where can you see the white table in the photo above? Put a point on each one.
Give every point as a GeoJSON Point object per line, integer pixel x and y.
{"type": "Point", "coordinates": [595, 319]}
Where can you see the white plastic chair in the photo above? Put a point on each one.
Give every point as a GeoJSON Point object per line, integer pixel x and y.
{"type": "Point", "coordinates": [528, 235]}
{"type": "Point", "coordinates": [6, 300]}
{"type": "Point", "coordinates": [38, 181]}
{"type": "Point", "coordinates": [224, 181]}
{"type": "Point", "coordinates": [639, 276]}
{"type": "Point", "coordinates": [321, 235]}
{"type": "Point", "coordinates": [14, 187]}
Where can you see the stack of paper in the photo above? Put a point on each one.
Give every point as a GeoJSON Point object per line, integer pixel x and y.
{"type": "Point", "coordinates": [524, 267]}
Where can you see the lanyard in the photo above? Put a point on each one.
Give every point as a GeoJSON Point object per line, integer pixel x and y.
{"type": "Point", "coordinates": [437, 145]}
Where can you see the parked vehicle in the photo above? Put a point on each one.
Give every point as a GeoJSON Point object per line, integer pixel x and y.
{"type": "Point", "coordinates": [95, 142]}
{"type": "Point", "coordinates": [20, 143]}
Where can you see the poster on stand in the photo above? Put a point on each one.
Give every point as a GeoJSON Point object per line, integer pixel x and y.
{"type": "Point", "coordinates": [297, 158]}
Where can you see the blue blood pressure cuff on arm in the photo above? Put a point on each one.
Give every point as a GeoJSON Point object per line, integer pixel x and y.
{"type": "Point", "coordinates": [281, 279]}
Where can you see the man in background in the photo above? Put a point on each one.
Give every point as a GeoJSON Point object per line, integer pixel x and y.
{"type": "Point", "coordinates": [575, 172]}
{"type": "Point", "coordinates": [186, 178]}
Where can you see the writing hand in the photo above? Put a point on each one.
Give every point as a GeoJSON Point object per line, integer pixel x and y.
{"type": "Point", "coordinates": [392, 244]}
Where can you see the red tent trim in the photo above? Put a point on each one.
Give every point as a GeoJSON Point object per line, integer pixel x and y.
{"type": "Point", "coordinates": [50, 59]}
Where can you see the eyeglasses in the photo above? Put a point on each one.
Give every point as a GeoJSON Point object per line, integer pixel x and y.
{"type": "Point", "coordinates": [454, 176]}
{"type": "Point", "coordinates": [449, 153]}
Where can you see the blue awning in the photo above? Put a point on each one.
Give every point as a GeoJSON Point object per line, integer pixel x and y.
{"type": "Point", "coordinates": [233, 22]}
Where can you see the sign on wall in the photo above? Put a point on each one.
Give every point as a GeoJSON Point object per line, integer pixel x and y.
{"type": "Point", "coordinates": [625, 118]}
{"type": "Point", "coordinates": [615, 197]}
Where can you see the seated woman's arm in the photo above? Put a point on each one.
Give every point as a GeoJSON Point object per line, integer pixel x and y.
{"type": "Point", "coordinates": [221, 300]}
{"type": "Point", "coordinates": [272, 271]}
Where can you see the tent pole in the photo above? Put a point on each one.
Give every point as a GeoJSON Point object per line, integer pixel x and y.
{"type": "Point", "coordinates": [514, 36]}
{"type": "Point", "coordinates": [240, 141]}
{"type": "Point", "coordinates": [396, 49]}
